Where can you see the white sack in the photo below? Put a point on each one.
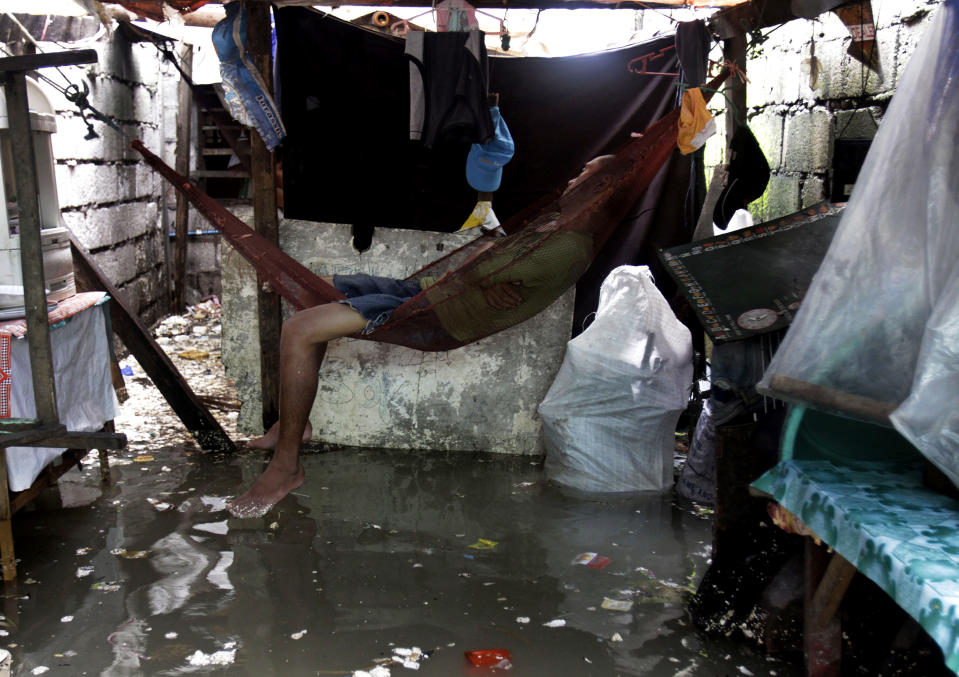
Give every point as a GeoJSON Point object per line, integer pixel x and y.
{"type": "Point", "coordinates": [610, 416]}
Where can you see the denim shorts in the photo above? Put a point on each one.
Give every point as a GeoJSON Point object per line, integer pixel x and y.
{"type": "Point", "coordinates": [373, 297]}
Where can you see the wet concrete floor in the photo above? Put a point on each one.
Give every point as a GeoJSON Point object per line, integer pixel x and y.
{"type": "Point", "coordinates": [378, 551]}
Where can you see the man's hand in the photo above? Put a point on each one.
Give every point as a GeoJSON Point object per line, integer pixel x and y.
{"type": "Point", "coordinates": [503, 295]}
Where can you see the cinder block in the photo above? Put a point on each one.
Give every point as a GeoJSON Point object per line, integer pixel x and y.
{"type": "Point", "coordinates": [84, 183]}
{"type": "Point", "coordinates": [781, 198]}
{"type": "Point", "coordinates": [808, 141]}
{"type": "Point", "coordinates": [857, 124]}
{"type": "Point", "coordinates": [768, 130]}
{"type": "Point", "coordinates": [482, 397]}
{"type": "Point", "coordinates": [119, 264]}
{"type": "Point", "coordinates": [813, 191]}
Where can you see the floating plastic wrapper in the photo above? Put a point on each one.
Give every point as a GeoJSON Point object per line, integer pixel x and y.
{"type": "Point", "coordinates": [610, 416]}
{"type": "Point", "coordinates": [877, 336]}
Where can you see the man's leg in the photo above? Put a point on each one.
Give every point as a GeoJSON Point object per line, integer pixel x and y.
{"type": "Point", "coordinates": [268, 439]}
{"type": "Point", "coordinates": [302, 346]}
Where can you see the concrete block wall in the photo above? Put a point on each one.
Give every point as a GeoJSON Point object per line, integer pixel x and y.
{"type": "Point", "coordinates": [482, 397]}
{"type": "Point", "coordinates": [108, 197]}
{"type": "Point", "coordinates": [797, 123]}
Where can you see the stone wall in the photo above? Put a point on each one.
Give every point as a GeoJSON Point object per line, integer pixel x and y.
{"type": "Point", "coordinates": [797, 123]}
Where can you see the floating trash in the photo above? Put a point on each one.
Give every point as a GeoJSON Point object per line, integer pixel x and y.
{"type": "Point", "coordinates": [522, 619]}
{"type": "Point", "coordinates": [171, 635]}
{"type": "Point", "coordinates": [617, 604]}
{"type": "Point", "coordinates": [105, 587]}
{"type": "Point", "coordinates": [84, 571]}
{"type": "Point", "coordinates": [555, 623]}
{"type": "Point", "coordinates": [592, 560]}
{"type": "Point", "coordinates": [497, 659]}
{"type": "Point", "coordinates": [299, 635]}
{"type": "Point", "coordinates": [84, 551]}
{"type": "Point", "coordinates": [616, 637]}
{"type": "Point", "coordinates": [40, 669]}
{"type": "Point", "coordinates": [143, 458]}
{"type": "Point", "coordinates": [193, 354]}
{"type": "Point", "coordinates": [66, 619]}
{"type": "Point", "coordinates": [130, 554]}
{"type": "Point", "coordinates": [158, 505]}
{"type": "Point", "coordinates": [484, 544]}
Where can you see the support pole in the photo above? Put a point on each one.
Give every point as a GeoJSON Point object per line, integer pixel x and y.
{"type": "Point", "coordinates": [31, 248]}
{"type": "Point", "coordinates": [734, 51]}
{"type": "Point", "coordinates": [184, 126]}
{"type": "Point", "coordinates": [265, 220]}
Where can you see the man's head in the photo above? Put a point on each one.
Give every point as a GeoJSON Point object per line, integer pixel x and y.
{"type": "Point", "coordinates": [589, 169]}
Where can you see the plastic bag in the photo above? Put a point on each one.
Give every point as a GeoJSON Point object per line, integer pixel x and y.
{"type": "Point", "coordinates": [879, 327]}
{"type": "Point", "coordinates": [610, 416]}
{"type": "Point", "coordinates": [854, 345]}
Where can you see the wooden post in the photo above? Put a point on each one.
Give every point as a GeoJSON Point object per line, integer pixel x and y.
{"type": "Point", "coordinates": [8, 563]}
{"type": "Point", "coordinates": [31, 248]}
{"type": "Point", "coordinates": [184, 125]}
{"type": "Point", "coordinates": [265, 220]}
{"type": "Point", "coordinates": [734, 51]}
{"type": "Point", "coordinates": [822, 640]}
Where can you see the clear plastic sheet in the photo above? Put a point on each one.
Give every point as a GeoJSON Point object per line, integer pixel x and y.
{"type": "Point", "coordinates": [609, 418]}
{"type": "Point", "coordinates": [879, 327]}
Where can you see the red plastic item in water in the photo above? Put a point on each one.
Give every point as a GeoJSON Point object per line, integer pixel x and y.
{"type": "Point", "coordinates": [487, 657]}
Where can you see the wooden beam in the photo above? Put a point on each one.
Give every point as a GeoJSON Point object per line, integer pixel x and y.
{"type": "Point", "coordinates": [749, 16]}
{"type": "Point", "coordinates": [137, 338]}
{"type": "Point", "coordinates": [831, 589]}
{"type": "Point", "coordinates": [8, 561]}
{"type": "Point", "coordinates": [80, 440]}
{"type": "Point", "coordinates": [822, 642]}
{"type": "Point", "coordinates": [828, 398]}
{"type": "Point", "coordinates": [734, 51]}
{"type": "Point", "coordinates": [29, 62]}
{"type": "Point", "coordinates": [265, 219]}
{"type": "Point", "coordinates": [184, 127]}
{"type": "Point", "coordinates": [31, 248]}
{"type": "Point", "coordinates": [30, 436]}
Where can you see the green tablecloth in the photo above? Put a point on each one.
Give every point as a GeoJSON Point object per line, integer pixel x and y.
{"type": "Point", "coordinates": [879, 516]}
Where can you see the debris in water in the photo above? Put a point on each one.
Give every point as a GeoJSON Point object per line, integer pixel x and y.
{"type": "Point", "coordinates": [193, 354]}
{"type": "Point", "coordinates": [299, 635]}
{"type": "Point", "coordinates": [222, 657]}
{"type": "Point", "coordinates": [105, 587]}
{"type": "Point", "coordinates": [378, 671]}
{"type": "Point", "coordinates": [130, 554]}
{"type": "Point", "coordinates": [171, 635]}
{"type": "Point", "coordinates": [616, 637]}
{"type": "Point", "coordinates": [66, 619]}
{"type": "Point", "coordinates": [484, 544]}
{"type": "Point", "coordinates": [84, 551]}
{"type": "Point", "coordinates": [522, 619]}
{"type": "Point", "coordinates": [592, 560]}
{"type": "Point", "coordinates": [40, 669]}
{"type": "Point", "coordinates": [617, 604]}
{"type": "Point", "coordinates": [158, 505]}
{"type": "Point", "coordinates": [556, 623]}
{"type": "Point", "coordinates": [497, 659]}
{"type": "Point", "coordinates": [84, 571]}
{"type": "Point", "coordinates": [143, 458]}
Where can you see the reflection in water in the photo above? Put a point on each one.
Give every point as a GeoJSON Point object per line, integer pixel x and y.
{"type": "Point", "coordinates": [377, 556]}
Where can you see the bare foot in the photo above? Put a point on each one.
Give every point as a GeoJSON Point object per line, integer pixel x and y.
{"type": "Point", "coordinates": [268, 440]}
{"type": "Point", "coordinates": [268, 490]}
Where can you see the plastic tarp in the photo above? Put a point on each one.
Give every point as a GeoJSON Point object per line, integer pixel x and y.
{"type": "Point", "coordinates": [610, 416]}
{"type": "Point", "coordinates": [880, 324]}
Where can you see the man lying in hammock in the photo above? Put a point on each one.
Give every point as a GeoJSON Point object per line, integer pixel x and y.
{"type": "Point", "coordinates": [518, 276]}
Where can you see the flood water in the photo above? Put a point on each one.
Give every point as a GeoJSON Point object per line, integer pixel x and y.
{"type": "Point", "coordinates": [376, 552]}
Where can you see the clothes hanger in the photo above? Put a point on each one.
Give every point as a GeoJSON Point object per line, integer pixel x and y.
{"type": "Point", "coordinates": [644, 60]}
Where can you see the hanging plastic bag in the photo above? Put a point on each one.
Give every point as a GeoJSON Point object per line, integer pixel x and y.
{"type": "Point", "coordinates": [878, 326]}
{"type": "Point", "coordinates": [610, 416]}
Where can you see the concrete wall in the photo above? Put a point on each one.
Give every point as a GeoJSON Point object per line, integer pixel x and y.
{"type": "Point", "coordinates": [796, 124]}
{"type": "Point", "coordinates": [481, 397]}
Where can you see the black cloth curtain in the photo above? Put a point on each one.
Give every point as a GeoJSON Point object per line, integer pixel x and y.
{"type": "Point", "coordinates": [344, 98]}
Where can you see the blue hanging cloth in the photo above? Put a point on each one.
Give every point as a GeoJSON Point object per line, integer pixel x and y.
{"type": "Point", "coordinates": [245, 91]}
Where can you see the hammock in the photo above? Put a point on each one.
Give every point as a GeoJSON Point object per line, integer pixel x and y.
{"type": "Point", "coordinates": [546, 252]}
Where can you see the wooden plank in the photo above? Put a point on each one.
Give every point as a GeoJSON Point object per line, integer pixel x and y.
{"type": "Point", "coordinates": [823, 397]}
{"type": "Point", "coordinates": [136, 336]}
{"type": "Point", "coordinates": [29, 62]}
{"type": "Point", "coordinates": [184, 128]}
{"type": "Point", "coordinates": [822, 642]}
{"type": "Point", "coordinates": [80, 440]}
{"type": "Point", "coordinates": [831, 589]}
{"type": "Point", "coordinates": [8, 562]}
{"type": "Point", "coordinates": [31, 248]}
{"type": "Point", "coordinates": [28, 437]}
{"type": "Point", "coordinates": [219, 174]}
{"type": "Point", "coordinates": [265, 221]}
{"type": "Point", "coordinates": [750, 16]}
{"type": "Point", "coordinates": [734, 51]}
